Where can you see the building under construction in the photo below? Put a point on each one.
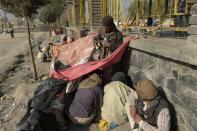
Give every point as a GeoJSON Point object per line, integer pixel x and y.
{"type": "Point", "coordinates": [89, 13]}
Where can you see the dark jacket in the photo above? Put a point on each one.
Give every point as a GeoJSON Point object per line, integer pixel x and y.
{"type": "Point", "coordinates": [43, 95]}
{"type": "Point", "coordinates": [150, 115]}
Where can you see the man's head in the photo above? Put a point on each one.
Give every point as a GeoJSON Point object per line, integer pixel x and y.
{"type": "Point", "coordinates": [91, 80]}
{"type": "Point", "coordinates": [146, 90]}
{"type": "Point", "coordinates": [108, 24]}
{"type": "Point", "coordinates": [119, 76]}
{"type": "Point", "coordinates": [69, 39]}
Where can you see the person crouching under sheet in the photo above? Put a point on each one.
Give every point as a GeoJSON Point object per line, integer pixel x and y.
{"type": "Point", "coordinates": [115, 97]}
{"type": "Point", "coordinates": [88, 100]}
{"type": "Point", "coordinates": [69, 39]}
{"type": "Point", "coordinates": [146, 109]}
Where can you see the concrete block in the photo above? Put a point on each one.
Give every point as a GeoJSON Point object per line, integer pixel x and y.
{"type": "Point", "coordinates": [192, 39]}
{"type": "Point", "coordinates": [192, 30]}
{"type": "Point", "coordinates": [193, 20]}
{"type": "Point", "coordinates": [193, 1]}
{"type": "Point", "coordinates": [194, 9]}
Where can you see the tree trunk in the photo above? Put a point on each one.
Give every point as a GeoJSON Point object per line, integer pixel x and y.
{"type": "Point", "coordinates": [49, 28]}
{"type": "Point", "coordinates": [31, 52]}
{"type": "Point", "coordinates": [150, 8]}
{"type": "Point", "coordinates": [5, 20]}
{"type": "Point", "coordinates": [144, 2]}
{"type": "Point", "coordinates": [59, 22]}
{"type": "Point", "coordinates": [137, 12]}
{"type": "Point", "coordinates": [166, 7]}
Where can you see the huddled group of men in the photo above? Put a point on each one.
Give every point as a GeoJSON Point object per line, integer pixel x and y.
{"type": "Point", "coordinates": [113, 101]}
{"type": "Point", "coordinates": [116, 103]}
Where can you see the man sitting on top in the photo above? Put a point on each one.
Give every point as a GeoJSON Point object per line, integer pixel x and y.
{"type": "Point", "coordinates": [148, 110]}
{"type": "Point", "coordinates": [110, 38]}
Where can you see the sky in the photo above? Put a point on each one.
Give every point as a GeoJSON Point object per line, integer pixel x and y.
{"type": "Point", "coordinates": [127, 3]}
{"type": "Point", "coordinates": [10, 16]}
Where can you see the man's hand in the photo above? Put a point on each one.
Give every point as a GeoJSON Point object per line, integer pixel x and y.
{"type": "Point", "coordinates": [138, 118]}
{"type": "Point", "coordinates": [133, 111]}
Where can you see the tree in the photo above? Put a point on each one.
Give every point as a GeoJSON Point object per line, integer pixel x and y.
{"type": "Point", "coordinates": [51, 12]}
{"type": "Point", "coordinates": [47, 16]}
{"type": "Point", "coordinates": [26, 9]}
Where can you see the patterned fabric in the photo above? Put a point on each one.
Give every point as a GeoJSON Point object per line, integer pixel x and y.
{"type": "Point", "coordinates": [182, 6]}
{"type": "Point", "coordinates": [115, 39]}
{"type": "Point", "coordinates": [75, 53]}
{"type": "Point", "coordinates": [103, 125]}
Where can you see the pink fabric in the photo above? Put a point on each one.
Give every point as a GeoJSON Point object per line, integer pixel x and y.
{"type": "Point", "coordinates": [80, 70]}
{"type": "Point", "coordinates": [76, 52]}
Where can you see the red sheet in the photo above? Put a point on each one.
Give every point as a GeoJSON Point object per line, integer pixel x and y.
{"type": "Point", "coordinates": [80, 70]}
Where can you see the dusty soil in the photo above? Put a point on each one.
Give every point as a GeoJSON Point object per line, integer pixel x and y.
{"type": "Point", "coordinates": [16, 79]}
{"type": "Point", "coordinates": [17, 84]}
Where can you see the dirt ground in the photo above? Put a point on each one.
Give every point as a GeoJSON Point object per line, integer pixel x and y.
{"type": "Point", "coordinates": [17, 84]}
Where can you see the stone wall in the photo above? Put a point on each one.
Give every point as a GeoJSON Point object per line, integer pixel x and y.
{"type": "Point", "coordinates": [192, 29]}
{"type": "Point", "coordinates": [177, 79]}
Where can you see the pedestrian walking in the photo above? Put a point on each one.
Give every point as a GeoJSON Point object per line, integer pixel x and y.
{"type": "Point", "coordinates": [12, 33]}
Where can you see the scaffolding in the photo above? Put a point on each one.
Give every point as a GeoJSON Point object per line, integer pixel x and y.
{"type": "Point", "coordinates": [162, 9]}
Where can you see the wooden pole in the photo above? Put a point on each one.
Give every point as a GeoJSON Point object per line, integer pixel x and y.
{"type": "Point", "coordinates": [176, 7]}
{"type": "Point", "coordinates": [159, 10]}
{"type": "Point", "coordinates": [150, 8]}
{"type": "Point", "coordinates": [111, 8]}
{"type": "Point", "coordinates": [82, 13]}
{"type": "Point", "coordinates": [5, 19]}
{"type": "Point", "coordinates": [166, 6]}
{"type": "Point", "coordinates": [143, 7]}
{"type": "Point", "coordinates": [102, 8]}
{"type": "Point", "coordinates": [89, 11]}
{"type": "Point", "coordinates": [31, 51]}
{"type": "Point", "coordinates": [157, 7]}
{"type": "Point", "coordinates": [137, 13]}
{"type": "Point", "coordinates": [171, 8]}
{"type": "Point", "coordinates": [106, 7]}
{"type": "Point", "coordinates": [49, 29]}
